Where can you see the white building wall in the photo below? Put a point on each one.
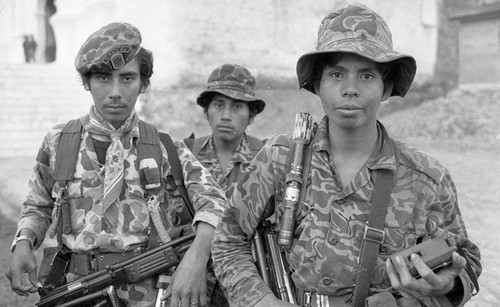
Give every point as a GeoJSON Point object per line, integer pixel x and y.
{"type": "Point", "coordinates": [268, 36]}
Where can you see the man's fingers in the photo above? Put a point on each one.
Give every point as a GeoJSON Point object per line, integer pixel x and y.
{"type": "Point", "coordinates": [422, 269]}
{"type": "Point", "coordinates": [167, 293]}
{"type": "Point", "coordinates": [392, 273]}
{"type": "Point", "coordinates": [34, 280]}
{"type": "Point", "coordinates": [457, 261]}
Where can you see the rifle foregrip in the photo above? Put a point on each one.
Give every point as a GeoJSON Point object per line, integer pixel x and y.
{"type": "Point", "coordinates": [151, 265]}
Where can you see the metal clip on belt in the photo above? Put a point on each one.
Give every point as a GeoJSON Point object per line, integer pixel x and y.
{"type": "Point", "coordinates": [85, 264]}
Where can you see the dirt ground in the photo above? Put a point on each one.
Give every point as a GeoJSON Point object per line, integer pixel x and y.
{"type": "Point", "coordinates": [475, 173]}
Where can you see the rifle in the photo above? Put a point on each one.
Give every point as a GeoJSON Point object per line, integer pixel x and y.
{"type": "Point", "coordinates": [270, 244]}
{"type": "Point", "coordinates": [100, 285]}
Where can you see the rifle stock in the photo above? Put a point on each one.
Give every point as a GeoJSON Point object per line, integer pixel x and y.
{"type": "Point", "coordinates": [133, 270]}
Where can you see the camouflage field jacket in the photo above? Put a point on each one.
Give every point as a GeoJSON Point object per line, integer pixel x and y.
{"type": "Point", "coordinates": [331, 220]}
{"type": "Point", "coordinates": [85, 192]}
{"type": "Point", "coordinates": [240, 161]}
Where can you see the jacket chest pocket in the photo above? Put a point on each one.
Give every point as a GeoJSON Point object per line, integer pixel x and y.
{"type": "Point", "coordinates": [79, 205]}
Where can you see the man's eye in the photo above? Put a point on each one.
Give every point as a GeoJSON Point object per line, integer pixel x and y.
{"type": "Point", "coordinates": [103, 78]}
{"type": "Point", "coordinates": [128, 79]}
{"type": "Point", "coordinates": [367, 76]}
{"type": "Point", "coordinates": [336, 74]}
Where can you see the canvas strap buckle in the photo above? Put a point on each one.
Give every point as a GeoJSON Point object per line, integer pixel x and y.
{"type": "Point", "coordinates": [374, 235]}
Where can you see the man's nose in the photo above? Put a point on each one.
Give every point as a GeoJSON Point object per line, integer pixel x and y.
{"type": "Point", "coordinates": [115, 92]}
{"type": "Point", "coordinates": [350, 88]}
{"type": "Point", "coordinates": [226, 113]}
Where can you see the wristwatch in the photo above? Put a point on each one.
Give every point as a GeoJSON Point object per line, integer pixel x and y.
{"type": "Point", "coordinates": [20, 238]}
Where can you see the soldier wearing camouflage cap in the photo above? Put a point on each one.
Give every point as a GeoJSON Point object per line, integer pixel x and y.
{"type": "Point", "coordinates": [113, 211]}
{"type": "Point", "coordinates": [229, 104]}
{"type": "Point", "coordinates": [337, 256]}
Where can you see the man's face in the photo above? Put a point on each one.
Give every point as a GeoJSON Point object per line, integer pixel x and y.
{"type": "Point", "coordinates": [115, 93]}
{"type": "Point", "coordinates": [351, 91]}
{"type": "Point", "coordinates": [228, 118]}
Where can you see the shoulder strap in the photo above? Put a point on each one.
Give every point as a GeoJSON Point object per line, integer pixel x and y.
{"type": "Point", "coordinates": [374, 234]}
{"type": "Point", "coordinates": [64, 168]}
{"type": "Point", "coordinates": [148, 147]}
{"type": "Point", "coordinates": [69, 144]}
{"type": "Point", "coordinates": [175, 163]}
{"type": "Point", "coordinates": [197, 144]}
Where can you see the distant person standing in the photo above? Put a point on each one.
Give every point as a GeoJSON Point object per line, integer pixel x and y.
{"type": "Point", "coordinates": [29, 46]}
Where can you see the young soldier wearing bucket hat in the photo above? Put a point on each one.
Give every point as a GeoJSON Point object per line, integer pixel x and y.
{"type": "Point", "coordinates": [109, 208]}
{"type": "Point", "coordinates": [353, 69]}
{"type": "Point", "coordinates": [229, 104]}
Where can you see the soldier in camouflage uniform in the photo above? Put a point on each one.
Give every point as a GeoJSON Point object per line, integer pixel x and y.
{"type": "Point", "coordinates": [230, 105]}
{"type": "Point", "coordinates": [110, 216]}
{"type": "Point", "coordinates": [353, 69]}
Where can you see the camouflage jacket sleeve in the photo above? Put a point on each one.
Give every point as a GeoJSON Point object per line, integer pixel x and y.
{"type": "Point", "coordinates": [231, 250]}
{"type": "Point", "coordinates": [207, 197]}
{"type": "Point", "coordinates": [36, 210]}
{"type": "Point", "coordinates": [443, 212]}
{"type": "Point", "coordinates": [454, 224]}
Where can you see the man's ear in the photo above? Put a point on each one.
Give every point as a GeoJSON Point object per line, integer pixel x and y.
{"type": "Point", "coordinates": [86, 86]}
{"type": "Point", "coordinates": [387, 90]}
{"type": "Point", "coordinates": [316, 86]}
{"type": "Point", "coordinates": [250, 119]}
{"type": "Point", "coordinates": [143, 89]}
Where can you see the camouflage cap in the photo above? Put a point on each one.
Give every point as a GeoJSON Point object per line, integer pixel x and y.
{"type": "Point", "coordinates": [234, 81]}
{"type": "Point", "coordinates": [357, 29]}
{"type": "Point", "coordinates": [109, 48]}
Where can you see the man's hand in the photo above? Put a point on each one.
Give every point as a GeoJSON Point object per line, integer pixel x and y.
{"type": "Point", "coordinates": [189, 284]}
{"type": "Point", "coordinates": [22, 270]}
{"type": "Point", "coordinates": [430, 283]}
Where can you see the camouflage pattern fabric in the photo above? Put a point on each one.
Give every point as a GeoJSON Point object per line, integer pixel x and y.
{"type": "Point", "coordinates": [331, 220]}
{"type": "Point", "coordinates": [85, 196]}
{"type": "Point", "coordinates": [240, 161]}
{"type": "Point", "coordinates": [359, 30]}
{"type": "Point", "coordinates": [109, 48]}
{"type": "Point", "coordinates": [227, 181]}
{"type": "Point", "coordinates": [91, 228]}
{"type": "Point", "coordinates": [234, 81]}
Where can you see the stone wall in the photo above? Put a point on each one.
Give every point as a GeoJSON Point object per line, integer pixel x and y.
{"type": "Point", "coordinates": [32, 99]}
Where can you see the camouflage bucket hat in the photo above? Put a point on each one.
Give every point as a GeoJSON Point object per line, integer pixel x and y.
{"type": "Point", "coordinates": [233, 81]}
{"type": "Point", "coordinates": [357, 29]}
{"type": "Point", "coordinates": [109, 48]}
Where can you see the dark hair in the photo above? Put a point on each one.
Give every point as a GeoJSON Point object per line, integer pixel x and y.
{"type": "Point", "coordinates": [323, 60]}
{"type": "Point", "coordinates": [252, 107]}
{"type": "Point", "coordinates": [145, 60]}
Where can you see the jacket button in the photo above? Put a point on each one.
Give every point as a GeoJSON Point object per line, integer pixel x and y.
{"type": "Point", "coordinates": [332, 240]}
{"type": "Point", "coordinates": [326, 280]}
{"type": "Point", "coordinates": [383, 249]}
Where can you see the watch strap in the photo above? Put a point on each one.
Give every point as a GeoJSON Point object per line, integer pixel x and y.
{"type": "Point", "coordinates": [21, 238]}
